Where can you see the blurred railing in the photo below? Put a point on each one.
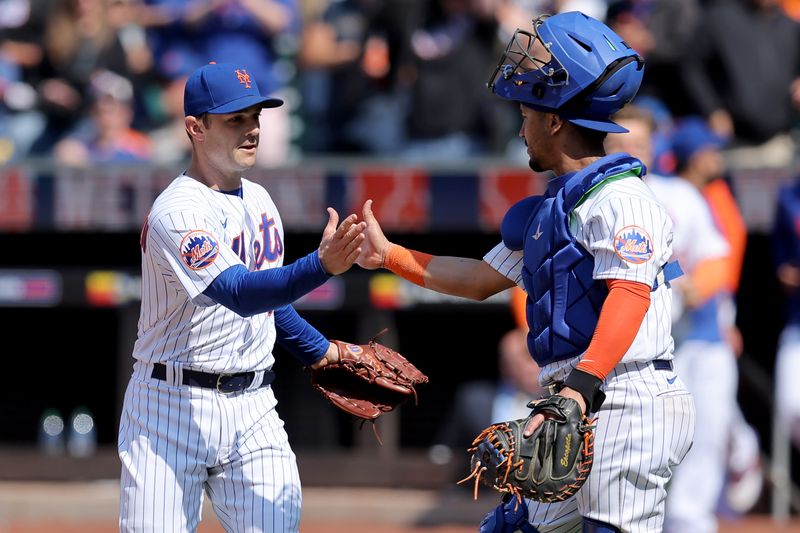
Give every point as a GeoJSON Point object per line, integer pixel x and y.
{"type": "Point", "coordinates": [468, 195]}
{"type": "Point", "coordinates": [465, 195]}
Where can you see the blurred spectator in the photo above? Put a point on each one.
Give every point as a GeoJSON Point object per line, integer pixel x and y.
{"type": "Point", "coordinates": [186, 34]}
{"type": "Point", "coordinates": [348, 55]}
{"type": "Point", "coordinates": [650, 28]}
{"type": "Point", "coordinates": [478, 404]}
{"type": "Point", "coordinates": [792, 8]}
{"type": "Point", "coordinates": [742, 75]}
{"type": "Point", "coordinates": [171, 146]}
{"type": "Point", "coordinates": [106, 136]}
{"type": "Point", "coordinates": [452, 114]}
{"type": "Point", "coordinates": [712, 340]}
{"type": "Point", "coordinates": [698, 158]}
{"type": "Point", "coordinates": [703, 358]}
{"type": "Point", "coordinates": [79, 41]}
{"type": "Point", "coordinates": [21, 55]}
{"type": "Point", "coordinates": [513, 14]}
{"type": "Point", "coordinates": [786, 251]}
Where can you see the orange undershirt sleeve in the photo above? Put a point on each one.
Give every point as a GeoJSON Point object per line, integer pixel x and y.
{"type": "Point", "coordinates": [726, 212]}
{"type": "Point", "coordinates": [620, 318]}
{"type": "Point", "coordinates": [711, 276]}
{"type": "Point", "coordinates": [406, 263]}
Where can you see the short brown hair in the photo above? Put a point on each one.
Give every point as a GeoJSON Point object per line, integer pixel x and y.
{"type": "Point", "coordinates": [634, 112]}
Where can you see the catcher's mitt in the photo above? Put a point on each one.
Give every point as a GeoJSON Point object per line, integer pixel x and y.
{"type": "Point", "coordinates": [368, 380]}
{"type": "Point", "coordinates": [549, 466]}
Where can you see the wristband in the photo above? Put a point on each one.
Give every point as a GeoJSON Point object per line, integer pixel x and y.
{"type": "Point", "coordinates": [589, 387]}
{"type": "Point", "coordinates": [406, 263]}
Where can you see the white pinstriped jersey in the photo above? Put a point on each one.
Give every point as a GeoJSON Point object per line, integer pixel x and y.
{"type": "Point", "coordinates": [607, 215]}
{"type": "Point", "coordinates": [192, 234]}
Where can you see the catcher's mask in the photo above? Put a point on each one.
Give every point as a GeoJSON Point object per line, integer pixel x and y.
{"type": "Point", "coordinates": [572, 65]}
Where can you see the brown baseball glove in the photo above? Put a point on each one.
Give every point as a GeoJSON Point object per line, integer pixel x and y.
{"type": "Point", "coordinates": [368, 380]}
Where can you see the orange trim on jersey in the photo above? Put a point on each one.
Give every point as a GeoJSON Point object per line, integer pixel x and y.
{"type": "Point", "coordinates": [730, 222]}
{"type": "Point", "coordinates": [620, 318]}
{"type": "Point", "coordinates": [406, 263]}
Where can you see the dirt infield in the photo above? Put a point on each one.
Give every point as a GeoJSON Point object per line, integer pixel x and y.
{"type": "Point", "coordinates": [749, 525]}
{"type": "Point", "coordinates": [92, 508]}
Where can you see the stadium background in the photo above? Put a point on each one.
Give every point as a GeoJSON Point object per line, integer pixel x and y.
{"type": "Point", "coordinates": [69, 305]}
{"type": "Point", "coordinates": [69, 282]}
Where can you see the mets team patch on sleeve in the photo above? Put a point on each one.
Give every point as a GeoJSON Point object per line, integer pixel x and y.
{"type": "Point", "coordinates": [199, 249]}
{"type": "Point", "coordinates": [633, 245]}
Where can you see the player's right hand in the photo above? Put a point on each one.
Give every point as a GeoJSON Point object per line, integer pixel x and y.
{"type": "Point", "coordinates": [340, 246]}
{"type": "Point", "coordinates": [374, 248]}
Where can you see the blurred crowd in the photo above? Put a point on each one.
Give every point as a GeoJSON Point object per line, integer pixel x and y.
{"type": "Point", "coordinates": [101, 80]}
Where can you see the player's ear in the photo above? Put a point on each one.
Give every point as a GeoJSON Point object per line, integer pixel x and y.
{"type": "Point", "coordinates": [194, 127]}
{"type": "Point", "coordinates": [554, 123]}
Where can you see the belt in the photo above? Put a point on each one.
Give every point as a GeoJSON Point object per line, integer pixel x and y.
{"type": "Point", "coordinates": [658, 364]}
{"type": "Point", "coordinates": [662, 364]}
{"type": "Point", "coordinates": [224, 383]}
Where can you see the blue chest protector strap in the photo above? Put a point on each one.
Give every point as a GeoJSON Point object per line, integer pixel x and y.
{"type": "Point", "coordinates": [668, 272]}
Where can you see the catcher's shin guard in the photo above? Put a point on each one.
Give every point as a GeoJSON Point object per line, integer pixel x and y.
{"type": "Point", "coordinates": [508, 517]}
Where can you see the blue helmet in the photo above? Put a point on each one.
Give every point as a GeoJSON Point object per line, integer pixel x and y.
{"type": "Point", "coordinates": [572, 65]}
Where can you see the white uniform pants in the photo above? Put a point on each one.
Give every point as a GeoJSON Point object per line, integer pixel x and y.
{"type": "Point", "coordinates": [644, 428]}
{"type": "Point", "coordinates": [711, 374]}
{"type": "Point", "coordinates": [177, 441]}
{"type": "Point", "coordinates": [787, 391]}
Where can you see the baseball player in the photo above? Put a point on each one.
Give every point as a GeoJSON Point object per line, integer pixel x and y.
{"type": "Point", "coordinates": [591, 253]}
{"type": "Point", "coordinates": [786, 253]}
{"type": "Point", "coordinates": [199, 414]}
{"type": "Point", "coordinates": [702, 359]}
{"type": "Point", "coordinates": [704, 354]}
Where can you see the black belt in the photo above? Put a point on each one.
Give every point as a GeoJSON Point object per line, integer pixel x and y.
{"type": "Point", "coordinates": [224, 383]}
{"type": "Point", "coordinates": [662, 364]}
{"type": "Point", "coordinates": [658, 364]}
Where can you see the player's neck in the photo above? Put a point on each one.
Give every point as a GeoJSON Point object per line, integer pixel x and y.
{"type": "Point", "coordinates": [213, 177]}
{"type": "Point", "coordinates": [574, 155]}
{"type": "Point", "coordinates": [569, 164]}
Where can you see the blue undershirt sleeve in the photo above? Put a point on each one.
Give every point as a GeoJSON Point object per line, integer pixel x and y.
{"type": "Point", "coordinates": [248, 293]}
{"type": "Point", "coordinates": [299, 337]}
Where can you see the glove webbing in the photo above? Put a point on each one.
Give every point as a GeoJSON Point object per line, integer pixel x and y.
{"type": "Point", "coordinates": [505, 465]}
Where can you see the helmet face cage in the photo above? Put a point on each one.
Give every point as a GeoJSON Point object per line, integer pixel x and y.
{"type": "Point", "coordinates": [526, 52]}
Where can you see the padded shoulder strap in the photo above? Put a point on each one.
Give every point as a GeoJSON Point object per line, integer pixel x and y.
{"type": "Point", "coordinates": [593, 176]}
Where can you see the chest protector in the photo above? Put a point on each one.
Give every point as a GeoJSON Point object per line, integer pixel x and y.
{"type": "Point", "coordinates": [564, 300]}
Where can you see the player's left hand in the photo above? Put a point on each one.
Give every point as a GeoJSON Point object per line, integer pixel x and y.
{"type": "Point", "coordinates": [537, 420]}
{"type": "Point", "coordinates": [331, 356]}
{"type": "Point", "coordinates": [340, 246]}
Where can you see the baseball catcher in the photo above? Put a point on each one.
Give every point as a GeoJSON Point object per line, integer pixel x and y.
{"type": "Point", "coordinates": [549, 466]}
{"type": "Point", "coordinates": [367, 380]}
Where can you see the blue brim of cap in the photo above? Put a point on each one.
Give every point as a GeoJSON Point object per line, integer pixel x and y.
{"type": "Point", "coordinates": [589, 123]}
{"type": "Point", "coordinates": [244, 103]}
{"type": "Point", "coordinates": [599, 125]}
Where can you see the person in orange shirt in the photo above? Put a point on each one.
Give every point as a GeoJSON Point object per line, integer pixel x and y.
{"type": "Point", "coordinates": [711, 342]}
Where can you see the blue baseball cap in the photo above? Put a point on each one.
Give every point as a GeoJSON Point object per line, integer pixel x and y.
{"type": "Point", "coordinates": [691, 135]}
{"type": "Point", "coordinates": [222, 88]}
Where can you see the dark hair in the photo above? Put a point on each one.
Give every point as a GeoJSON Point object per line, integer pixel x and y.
{"type": "Point", "coordinates": [592, 138]}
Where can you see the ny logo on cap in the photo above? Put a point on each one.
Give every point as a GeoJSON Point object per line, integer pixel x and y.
{"type": "Point", "coordinates": [243, 77]}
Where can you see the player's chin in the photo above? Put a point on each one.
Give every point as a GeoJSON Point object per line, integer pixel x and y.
{"type": "Point", "coordinates": [246, 156]}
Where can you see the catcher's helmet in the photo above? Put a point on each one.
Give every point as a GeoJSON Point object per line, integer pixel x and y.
{"type": "Point", "coordinates": [573, 65]}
